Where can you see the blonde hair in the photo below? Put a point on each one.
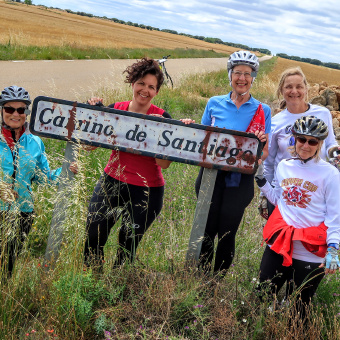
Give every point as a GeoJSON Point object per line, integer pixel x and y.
{"type": "Point", "coordinates": [293, 71]}
{"type": "Point", "coordinates": [292, 149]}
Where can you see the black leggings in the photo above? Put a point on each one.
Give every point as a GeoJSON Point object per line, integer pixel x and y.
{"type": "Point", "coordinates": [273, 275]}
{"type": "Point", "coordinates": [138, 206]}
{"type": "Point", "coordinates": [225, 214]}
{"type": "Point", "coordinates": [12, 242]}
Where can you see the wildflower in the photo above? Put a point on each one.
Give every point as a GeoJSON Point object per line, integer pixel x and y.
{"type": "Point", "coordinates": [39, 265]}
{"type": "Point", "coordinates": [27, 334]}
{"type": "Point", "coordinates": [50, 331]}
{"type": "Point", "coordinates": [107, 335]}
{"type": "Point", "coordinates": [244, 320]}
{"type": "Point", "coordinates": [33, 331]}
{"type": "Point", "coordinates": [186, 327]}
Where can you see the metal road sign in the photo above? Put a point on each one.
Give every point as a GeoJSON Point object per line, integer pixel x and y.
{"type": "Point", "coordinates": [145, 135]}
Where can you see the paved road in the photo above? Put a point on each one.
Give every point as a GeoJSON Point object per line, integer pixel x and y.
{"type": "Point", "coordinates": [79, 79]}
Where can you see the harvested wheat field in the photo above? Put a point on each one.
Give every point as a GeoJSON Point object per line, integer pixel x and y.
{"type": "Point", "coordinates": [36, 25]}
{"type": "Point", "coordinates": [314, 73]}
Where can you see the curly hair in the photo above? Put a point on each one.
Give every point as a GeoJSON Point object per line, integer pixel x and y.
{"type": "Point", "coordinates": [143, 67]}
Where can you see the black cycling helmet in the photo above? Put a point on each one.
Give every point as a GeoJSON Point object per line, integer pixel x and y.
{"type": "Point", "coordinates": [310, 126]}
{"type": "Point", "coordinates": [14, 94]}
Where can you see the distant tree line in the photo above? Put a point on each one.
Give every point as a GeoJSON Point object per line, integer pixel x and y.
{"type": "Point", "coordinates": [151, 28]}
{"type": "Point", "coordinates": [309, 60]}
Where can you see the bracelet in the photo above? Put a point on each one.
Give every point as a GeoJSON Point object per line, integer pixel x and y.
{"type": "Point", "coordinates": [334, 245]}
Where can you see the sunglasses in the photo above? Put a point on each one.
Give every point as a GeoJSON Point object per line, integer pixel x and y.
{"type": "Point", "coordinates": [11, 110]}
{"type": "Point", "coordinates": [311, 142]}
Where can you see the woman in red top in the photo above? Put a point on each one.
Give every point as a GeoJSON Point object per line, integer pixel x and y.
{"type": "Point", "coordinates": [131, 186]}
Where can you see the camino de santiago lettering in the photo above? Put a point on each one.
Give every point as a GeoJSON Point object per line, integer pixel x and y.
{"type": "Point", "coordinates": [146, 135]}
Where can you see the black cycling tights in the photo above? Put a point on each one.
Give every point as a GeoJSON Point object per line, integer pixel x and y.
{"type": "Point", "coordinates": [14, 229]}
{"type": "Point", "coordinates": [138, 206]}
{"type": "Point", "coordinates": [301, 275]}
{"type": "Point", "coordinates": [225, 214]}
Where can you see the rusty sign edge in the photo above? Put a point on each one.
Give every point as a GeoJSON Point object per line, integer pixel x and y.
{"type": "Point", "coordinates": [147, 117]}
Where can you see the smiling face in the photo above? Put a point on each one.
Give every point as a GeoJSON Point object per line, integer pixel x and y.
{"type": "Point", "coordinates": [303, 148]}
{"type": "Point", "coordinates": [144, 89]}
{"type": "Point", "coordinates": [14, 120]}
{"type": "Point", "coordinates": [294, 90]}
{"type": "Point", "coordinates": [241, 84]}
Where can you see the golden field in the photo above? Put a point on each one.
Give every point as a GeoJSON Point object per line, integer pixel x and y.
{"type": "Point", "coordinates": [39, 26]}
{"type": "Point", "coordinates": [314, 73]}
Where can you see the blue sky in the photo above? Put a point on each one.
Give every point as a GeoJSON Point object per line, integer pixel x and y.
{"type": "Point", "coordinates": [306, 28]}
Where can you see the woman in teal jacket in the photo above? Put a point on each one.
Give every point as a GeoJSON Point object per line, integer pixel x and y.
{"type": "Point", "coordinates": [22, 161]}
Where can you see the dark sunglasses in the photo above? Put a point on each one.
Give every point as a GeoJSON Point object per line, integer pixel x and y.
{"type": "Point", "coordinates": [311, 142]}
{"type": "Point", "coordinates": [10, 109]}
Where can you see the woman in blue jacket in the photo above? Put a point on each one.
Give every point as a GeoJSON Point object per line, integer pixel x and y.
{"type": "Point", "coordinates": [22, 161]}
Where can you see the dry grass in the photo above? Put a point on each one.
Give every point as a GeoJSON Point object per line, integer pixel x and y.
{"type": "Point", "coordinates": [314, 74]}
{"type": "Point", "coordinates": [39, 26]}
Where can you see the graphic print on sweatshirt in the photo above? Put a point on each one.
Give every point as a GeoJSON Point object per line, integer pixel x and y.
{"type": "Point", "coordinates": [296, 192]}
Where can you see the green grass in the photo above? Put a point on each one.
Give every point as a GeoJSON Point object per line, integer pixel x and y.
{"type": "Point", "coordinates": [11, 51]}
{"type": "Point", "coordinates": [157, 297]}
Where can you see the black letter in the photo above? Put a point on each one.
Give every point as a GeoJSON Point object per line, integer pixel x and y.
{"type": "Point", "coordinates": [94, 128]}
{"type": "Point", "coordinates": [194, 144]}
{"type": "Point", "coordinates": [141, 136]}
{"type": "Point", "coordinates": [133, 137]}
{"type": "Point", "coordinates": [179, 142]}
{"type": "Point", "coordinates": [56, 119]}
{"type": "Point", "coordinates": [166, 138]}
{"type": "Point", "coordinates": [225, 149]}
{"type": "Point", "coordinates": [108, 133]}
{"type": "Point", "coordinates": [42, 114]}
{"type": "Point", "coordinates": [212, 147]}
{"type": "Point", "coordinates": [87, 124]}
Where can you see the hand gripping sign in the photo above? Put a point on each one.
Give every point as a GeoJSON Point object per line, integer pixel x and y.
{"type": "Point", "coordinates": [170, 139]}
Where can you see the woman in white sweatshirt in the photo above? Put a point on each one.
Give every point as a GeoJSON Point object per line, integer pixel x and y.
{"type": "Point", "coordinates": [303, 232]}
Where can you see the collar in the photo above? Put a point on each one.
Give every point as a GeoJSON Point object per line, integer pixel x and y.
{"type": "Point", "coordinates": [251, 100]}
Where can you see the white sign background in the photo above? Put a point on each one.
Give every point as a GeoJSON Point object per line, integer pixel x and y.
{"type": "Point", "coordinates": [147, 135]}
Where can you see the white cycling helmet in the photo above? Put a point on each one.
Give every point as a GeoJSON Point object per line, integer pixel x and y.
{"type": "Point", "coordinates": [14, 94]}
{"type": "Point", "coordinates": [243, 58]}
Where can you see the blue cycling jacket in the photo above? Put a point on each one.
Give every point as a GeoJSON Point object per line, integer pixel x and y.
{"type": "Point", "coordinates": [26, 164]}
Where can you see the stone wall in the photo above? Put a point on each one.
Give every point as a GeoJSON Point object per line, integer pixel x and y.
{"type": "Point", "coordinates": [328, 96]}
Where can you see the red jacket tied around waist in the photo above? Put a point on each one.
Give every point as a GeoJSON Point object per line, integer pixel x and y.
{"type": "Point", "coordinates": [280, 236]}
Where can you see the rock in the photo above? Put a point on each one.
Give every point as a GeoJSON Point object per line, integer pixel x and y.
{"type": "Point", "coordinates": [314, 91]}
{"type": "Point", "coordinates": [336, 123]}
{"type": "Point", "coordinates": [337, 93]}
{"type": "Point", "coordinates": [319, 100]}
{"type": "Point", "coordinates": [322, 87]}
{"type": "Point", "coordinates": [331, 98]}
{"type": "Point", "coordinates": [335, 113]}
{"type": "Point", "coordinates": [323, 83]}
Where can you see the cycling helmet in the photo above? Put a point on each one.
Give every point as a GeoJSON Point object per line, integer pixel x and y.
{"type": "Point", "coordinates": [310, 126]}
{"type": "Point", "coordinates": [243, 58]}
{"type": "Point", "coordinates": [14, 94]}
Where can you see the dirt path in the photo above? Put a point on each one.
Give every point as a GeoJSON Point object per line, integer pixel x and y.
{"type": "Point", "coordinates": [79, 79]}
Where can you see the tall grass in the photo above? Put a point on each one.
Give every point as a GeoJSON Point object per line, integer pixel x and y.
{"type": "Point", "coordinates": [157, 297]}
